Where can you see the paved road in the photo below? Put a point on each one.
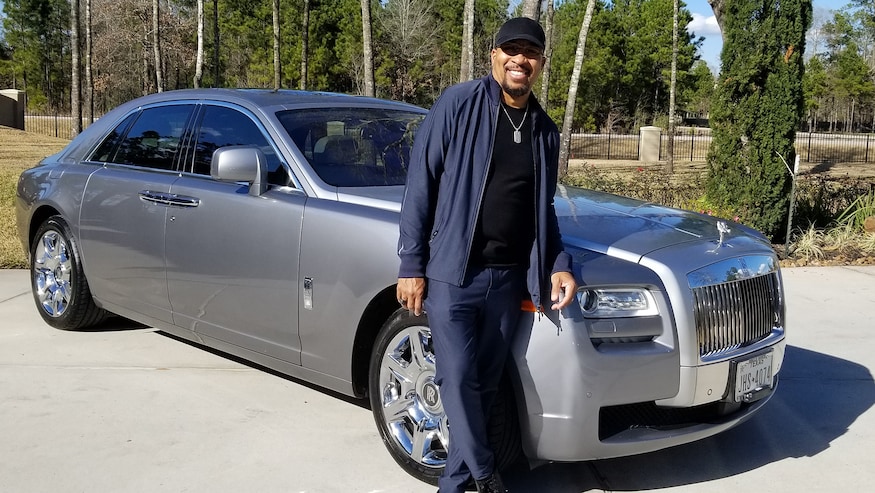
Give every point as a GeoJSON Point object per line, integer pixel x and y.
{"type": "Point", "coordinates": [127, 409]}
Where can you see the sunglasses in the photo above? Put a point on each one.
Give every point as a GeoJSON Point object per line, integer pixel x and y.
{"type": "Point", "coordinates": [527, 50]}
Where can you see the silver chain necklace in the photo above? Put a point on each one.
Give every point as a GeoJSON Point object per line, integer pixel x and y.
{"type": "Point", "coordinates": [517, 135]}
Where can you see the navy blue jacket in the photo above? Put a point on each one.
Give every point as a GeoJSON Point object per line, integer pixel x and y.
{"type": "Point", "coordinates": [446, 181]}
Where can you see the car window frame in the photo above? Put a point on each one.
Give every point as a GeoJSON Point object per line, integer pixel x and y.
{"type": "Point", "coordinates": [183, 138]}
{"type": "Point", "coordinates": [186, 162]}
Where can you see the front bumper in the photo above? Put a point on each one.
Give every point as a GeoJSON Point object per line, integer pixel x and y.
{"type": "Point", "coordinates": [583, 402]}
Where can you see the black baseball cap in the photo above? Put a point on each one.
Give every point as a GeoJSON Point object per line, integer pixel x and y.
{"type": "Point", "coordinates": [521, 28]}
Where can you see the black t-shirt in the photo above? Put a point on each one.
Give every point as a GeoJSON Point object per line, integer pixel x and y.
{"type": "Point", "coordinates": [506, 225]}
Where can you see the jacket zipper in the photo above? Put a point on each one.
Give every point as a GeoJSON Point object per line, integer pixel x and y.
{"type": "Point", "coordinates": [535, 161]}
{"type": "Point", "coordinates": [482, 192]}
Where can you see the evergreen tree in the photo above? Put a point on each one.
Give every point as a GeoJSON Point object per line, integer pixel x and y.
{"type": "Point", "coordinates": [757, 109]}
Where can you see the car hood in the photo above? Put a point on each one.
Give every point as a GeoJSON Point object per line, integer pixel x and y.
{"type": "Point", "coordinates": [600, 221]}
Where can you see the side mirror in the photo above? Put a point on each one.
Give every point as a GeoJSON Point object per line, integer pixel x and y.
{"type": "Point", "coordinates": [241, 163]}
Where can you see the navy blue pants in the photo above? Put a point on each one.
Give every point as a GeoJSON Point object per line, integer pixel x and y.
{"type": "Point", "coordinates": [472, 326]}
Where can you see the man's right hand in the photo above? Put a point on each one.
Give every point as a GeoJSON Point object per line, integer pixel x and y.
{"type": "Point", "coordinates": [411, 293]}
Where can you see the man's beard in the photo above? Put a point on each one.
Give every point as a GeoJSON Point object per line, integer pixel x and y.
{"type": "Point", "coordinates": [516, 92]}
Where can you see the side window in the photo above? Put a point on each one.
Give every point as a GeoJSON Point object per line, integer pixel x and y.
{"type": "Point", "coordinates": [106, 150]}
{"type": "Point", "coordinates": [222, 127]}
{"type": "Point", "coordinates": [153, 140]}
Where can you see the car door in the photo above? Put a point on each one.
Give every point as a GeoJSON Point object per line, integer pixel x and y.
{"type": "Point", "coordinates": [124, 208]}
{"type": "Point", "coordinates": [232, 257]}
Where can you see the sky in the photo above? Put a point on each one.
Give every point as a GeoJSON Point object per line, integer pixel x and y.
{"type": "Point", "coordinates": [704, 24]}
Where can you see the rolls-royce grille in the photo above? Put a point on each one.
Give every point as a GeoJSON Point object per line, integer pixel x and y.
{"type": "Point", "coordinates": [738, 313]}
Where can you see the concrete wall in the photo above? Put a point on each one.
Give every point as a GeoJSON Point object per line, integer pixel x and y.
{"type": "Point", "coordinates": [12, 108]}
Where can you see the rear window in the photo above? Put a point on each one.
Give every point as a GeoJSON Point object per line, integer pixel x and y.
{"type": "Point", "coordinates": [354, 147]}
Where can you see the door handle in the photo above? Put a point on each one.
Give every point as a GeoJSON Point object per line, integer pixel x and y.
{"type": "Point", "coordinates": [170, 199]}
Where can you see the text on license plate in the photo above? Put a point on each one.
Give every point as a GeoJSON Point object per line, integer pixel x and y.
{"type": "Point", "coordinates": [752, 375]}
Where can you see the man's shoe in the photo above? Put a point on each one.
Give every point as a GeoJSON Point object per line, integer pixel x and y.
{"type": "Point", "coordinates": [492, 484]}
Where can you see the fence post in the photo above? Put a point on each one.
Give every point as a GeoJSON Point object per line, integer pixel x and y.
{"type": "Point", "coordinates": [692, 141]}
{"type": "Point", "coordinates": [866, 159]}
{"type": "Point", "coordinates": [650, 144]}
{"type": "Point", "coordinates": [609, 144]}
{"type": "Point", "coordinates": [809, 145]}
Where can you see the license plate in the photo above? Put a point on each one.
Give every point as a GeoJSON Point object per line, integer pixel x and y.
{"type": "Point", "coordinates": [753, 375]}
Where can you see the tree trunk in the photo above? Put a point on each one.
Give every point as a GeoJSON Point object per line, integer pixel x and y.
{"type": "Point", "coordinates": [277, 69]}
{"type": "Point", "coordinates": [368, 50]}
{"type": "Point", "coordinates": [467, 67]}
{"type": "Point", "coordinates": [216, 82]}
{"type": "Point", "coordinates": [531, 9]}
{"type": "Point", "coordinates": [565, 143]}
{"type": "Point", "coordinates": [672, 89]}
{"type": "Point", "coordinates": [199, 57]}
{"type": "Point", "coordinates": [548, 52]}
{"type": "Point", "coordinates": [89, 77]}
{"type": "Point", "coordinates": [156, 45]}
{"type": "Point", "coordinates": [305, 45]}
{"type": "Point", "coordinates": [719, 7]}
{"type": "Point", "coordinates": [76, 75]}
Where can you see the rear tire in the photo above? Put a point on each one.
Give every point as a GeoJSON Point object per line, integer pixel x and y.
{"type": "Point", "coordinates": [58, 282]}
{"type": "Point", "coordinates": [407, 408]}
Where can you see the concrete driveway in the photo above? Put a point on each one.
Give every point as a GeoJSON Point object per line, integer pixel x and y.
{"type": "Point", "coordinates": [126, 408]}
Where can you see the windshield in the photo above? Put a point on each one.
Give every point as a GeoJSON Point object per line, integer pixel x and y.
{"type": "Point", "coordinates": [354, 147]}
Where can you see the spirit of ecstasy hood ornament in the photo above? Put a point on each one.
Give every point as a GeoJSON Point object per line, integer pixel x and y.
{"type": "Point", "coordinates": [723, 229]}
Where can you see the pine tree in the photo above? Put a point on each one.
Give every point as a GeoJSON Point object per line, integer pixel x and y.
{"type": "Point", "coordinates": [757, 109]}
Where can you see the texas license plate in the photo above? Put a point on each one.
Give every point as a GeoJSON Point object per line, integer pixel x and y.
{"type": "Point", "coordinates": [753, 375]}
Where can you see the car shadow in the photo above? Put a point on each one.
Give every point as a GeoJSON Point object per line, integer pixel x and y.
{"type": "Point", "coordinates": [818, 398]}
{"type": "Point", "coordinates": [115, 323]}
{"type": "Point", "coordinates": [358, 402]}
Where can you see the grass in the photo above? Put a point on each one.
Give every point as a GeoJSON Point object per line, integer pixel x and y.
{"type": "Point", "coordinates": [18, 152]}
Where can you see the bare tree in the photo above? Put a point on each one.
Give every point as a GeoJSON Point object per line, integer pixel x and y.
{"type": "Point", "coordinates": [305, 46]}
{"type": "Point", "coordinates": [467, 63]}
{"type": "Point", "coordinates": [277, 69]}
{"type": "Point", "coordinates": [672, 89]}
{"type": "Point", "coordinates": [410, 28]}
{"type": "Point", "coordinates": [89, 76]}
{"type": "Point", "coordinates": [548, 52]}
{"type": "Point", "coordinates": [216, 82]}
{"type": "Point", "coordinates": [565, 143]}
{"type": "Point", "coordinates": [156, 45]}
{"type": "Point", "coordinates": [199, 58]}
{"type": "Point", "coordinates": [368, 50]}
{"type": "Point", "coordinates": [76, 75]}
{"type": "Point", "coordinates": [531, 9]}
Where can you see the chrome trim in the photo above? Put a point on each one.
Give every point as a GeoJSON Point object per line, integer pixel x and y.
{"type": "Point", "coordinates": [732, 269]}
{"type": "Point", "coordinates": [170, 199]}
{"type": "Point", "coordinates": [737, 313]}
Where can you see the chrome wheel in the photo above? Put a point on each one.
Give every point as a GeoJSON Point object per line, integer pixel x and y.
{"type": "Point", "coordinates": [410, 405]}
{"type": "Point", "coordinates": [52, 271]}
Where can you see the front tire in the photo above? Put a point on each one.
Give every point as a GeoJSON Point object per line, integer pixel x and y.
{"type": "Point", "coordinates": [407, 407]}
{"type": "Point", "coordinates": [58, 282]}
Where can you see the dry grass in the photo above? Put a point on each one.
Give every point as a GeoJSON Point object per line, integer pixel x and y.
{"type": "Point", "coordinates": [18, 151]}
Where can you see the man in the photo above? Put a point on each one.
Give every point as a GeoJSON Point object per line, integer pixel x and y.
{"type": "Point", "coordinates": [478, 231]}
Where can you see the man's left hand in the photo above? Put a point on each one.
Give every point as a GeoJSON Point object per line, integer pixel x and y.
{"type": "Point", "coordinates": [563, 290]}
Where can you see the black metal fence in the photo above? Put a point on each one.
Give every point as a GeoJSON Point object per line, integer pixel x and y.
{"type": "Point", "coordinates": [53, 125]}
{"type": "Point", "coordinates": [692, 144]}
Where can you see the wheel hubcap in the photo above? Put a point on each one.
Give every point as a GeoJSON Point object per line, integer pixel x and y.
{"type": "Point", "coordinates": [411, 404]}
{"type": "Point", "coordinates": [52, 269]}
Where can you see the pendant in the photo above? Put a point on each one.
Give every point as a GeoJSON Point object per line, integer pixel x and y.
{"type": "Point", "coordinates": [517, 136]}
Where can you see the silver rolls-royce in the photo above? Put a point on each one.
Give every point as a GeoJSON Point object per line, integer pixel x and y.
{"type": "Point", "coordinates": [264, 224]}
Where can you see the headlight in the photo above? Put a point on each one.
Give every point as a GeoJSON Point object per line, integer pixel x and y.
{"type": "Point", "coordinates": [616, 302]}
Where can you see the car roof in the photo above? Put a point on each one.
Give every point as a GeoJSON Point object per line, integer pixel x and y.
{"type": "Point", "coordinates": [274, 99]}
